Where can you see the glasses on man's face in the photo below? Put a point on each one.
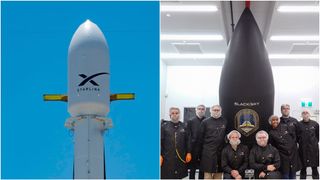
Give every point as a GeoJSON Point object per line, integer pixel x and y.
{"type": "Point", "coordinates": [262, 137]}
{"type": "Point", "coordinates": [200, 108]}
{"type": "Point", "coordinates": [234, 137]}
{"type": "Point", "coordinates": [174, 113]}
{"type": "Point", "coordinates": [216, 110]}
{"type": "Point", "coordinates": [306, 112]}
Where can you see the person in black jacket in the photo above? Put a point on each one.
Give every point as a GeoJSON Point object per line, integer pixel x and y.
{"type": "Point", "coordinates": [211, 141]}
{"type": "Point", "coordinates": [264, 158]}
{"type": "Point", "coordinates": [309, 145]}
{"type": "Point", "coordinates": [193, 129]}
{"type": "Point", "coordinates": [291, 122]}
{"type": "Point", "coordinates": [175, 147]}
{"type": "Point", "coordinates": [284, 141]}
{"type": "Point", "coordinates": [234, 157]}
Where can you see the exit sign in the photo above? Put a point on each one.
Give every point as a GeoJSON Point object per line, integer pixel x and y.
{"type": "Point", "coordinates": [306, 104]}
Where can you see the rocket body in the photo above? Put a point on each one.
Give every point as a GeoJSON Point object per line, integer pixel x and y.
{"type": "Point", "coordinates": [246, 91]}
{"type": "Point", "coordinates": [88, 99]}
{"type": "Point", "coordinates": [89, 162]}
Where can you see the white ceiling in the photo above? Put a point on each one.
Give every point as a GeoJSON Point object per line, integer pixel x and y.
{"type": "Point", "coordinates": [270, 21]}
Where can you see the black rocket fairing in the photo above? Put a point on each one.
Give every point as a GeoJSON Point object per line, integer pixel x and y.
{"type": "Point", "coordinates": [246, 91]}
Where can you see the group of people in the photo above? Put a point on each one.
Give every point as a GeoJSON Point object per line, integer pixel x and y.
{"type": "Point", "coordinates": [288, 147]}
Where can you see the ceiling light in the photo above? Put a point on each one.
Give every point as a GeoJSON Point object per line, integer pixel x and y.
{"type": "Point", "coordinates": [191, 37]}
{"type": "Point", "coordinates": [299, 9]}
{"type": "Point", "coordinates": [294, 38]}
{"type": "Point", "coordinates": [206, 8]}
{"type": "Point", "coordinates": [222, 56]}
{"type": "Point", "coordinates": [294, 56]}
{"type": "Point", "coordinates": [191, 56]}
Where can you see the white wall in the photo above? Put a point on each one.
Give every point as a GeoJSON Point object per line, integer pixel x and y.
{"type": "Point", "coordinates": [292, 84]}
{"type": "Point", "coordinates": [163, 88]}
{"type": "Point", "coordinates": [187, 86]}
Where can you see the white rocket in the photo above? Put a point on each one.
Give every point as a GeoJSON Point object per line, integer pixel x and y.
{"type": "Point", "coordinates": [88, 99]}
{"type": "Point", "coordinates": [88, 72]}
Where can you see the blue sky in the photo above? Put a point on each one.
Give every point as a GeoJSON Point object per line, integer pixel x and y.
{"type": "Point", "coordinates": [35, 39]}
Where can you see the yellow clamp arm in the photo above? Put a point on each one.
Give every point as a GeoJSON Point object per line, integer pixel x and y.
{"type": "Point", "coordinates": [55, 97]}
{"type": "Point", "coordinates": [122, 96]}
{"type": "Point", "coordinates": [113, 97]}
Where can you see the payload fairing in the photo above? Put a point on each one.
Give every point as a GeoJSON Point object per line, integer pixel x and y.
{"type": "Point", "coordinates": [88, 72]}
{"type": "Point", "coordinates": [88, 99]}
{"type": "Point", "coordinates": [246, 91]}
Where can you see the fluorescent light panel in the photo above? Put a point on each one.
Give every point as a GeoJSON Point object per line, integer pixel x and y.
{"type": "Point", "coordinates": [165, 37]}
{"type": "Point", "coordinates": [299, 9]}
{"type": "Point", "coordinates": [188, 8]}
{"type": "Point", "coordinates": [191, 56]}
{"type": "Point", "coordinates": [294, 38]}
{"type": "Point", "coordinates": [294, 56]}
{"type": "Point", "coordinates": [222, 56]}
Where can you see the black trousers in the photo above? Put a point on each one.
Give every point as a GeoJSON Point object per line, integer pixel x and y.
{"type": "Point", "coordinates": [193, 166]}
{"type": "Point", "coordinates": [315, 173]}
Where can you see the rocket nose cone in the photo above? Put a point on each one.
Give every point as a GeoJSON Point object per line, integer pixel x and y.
{"type": "Point", "coordinates": [247, 58]}
{"type": "Point", "coordinates": [89, 26]}
{"type": "Point", "coordinates": [247, 17]}
{"type": "Point", "coordinates": [88, 21]}
{"type": "Point", "coordinates": [247, 39]}
{"type": "Point", "coordinates": [88, 33]}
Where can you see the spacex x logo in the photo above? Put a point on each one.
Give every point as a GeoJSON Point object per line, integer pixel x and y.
{"type": "Point", "coordinates": [89, 79]}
